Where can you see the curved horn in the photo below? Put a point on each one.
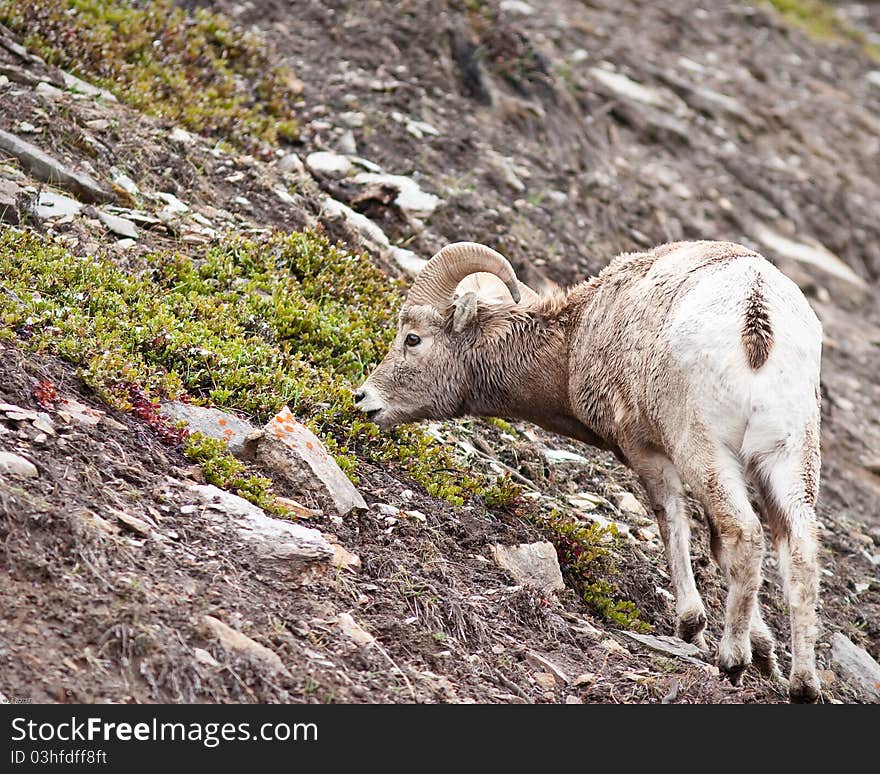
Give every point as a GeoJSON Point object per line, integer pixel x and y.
{"type": "Point", "coordinates": [436, 283]}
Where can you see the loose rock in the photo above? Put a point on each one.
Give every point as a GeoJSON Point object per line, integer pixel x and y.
{"type": "Point", "coordinates": [671, 646]}
{"type": "Point", "coordinates": [17, 465]}
{"type": "Point", "coordinates": [856, 667]}
{"type": "Point", "coordinates": [121, 226]}
{"type": "Point", "coordinates": [211, 422]}
{"type": "Point", "coordinates": [626, 501]}
{"type": "Point", "coordinates": [281, 545]}
{"type": "Point", "coordinates": [354, 631]}
{"type": "Point", "coordinates": [42, 166]}
{"type": "Point", "coordinates": [531, 564]}
{"type": "Point", "coordinates": [814, 254]}
{"type": "Point", "coordinates": [327, 163]}
{"type": "Point", "coordinates": [241, 645]}
{"type": "Point", "coordinates": [410, 197]}
{"type": "Point", "coordinates": [295, 454]}
{"type": "Point", "coordinates": [51, 205]}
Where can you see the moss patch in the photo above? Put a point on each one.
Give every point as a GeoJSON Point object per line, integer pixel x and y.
{"type": "Point", "coordinates": [195, 69]}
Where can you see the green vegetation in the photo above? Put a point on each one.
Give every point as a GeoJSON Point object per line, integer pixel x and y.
{"type": "Point", "coordinates": [248, 325]}
{"type": "Point", "coordinates": [227, 472]}
{"type": "Point", "coordinates": [196, 70]}
{"type": "Point", "coordinates": [586, 555]}
{"type": "Point", "coordinates": [819, 19]}
{"type": "Point", "coordinates": [252, 325]}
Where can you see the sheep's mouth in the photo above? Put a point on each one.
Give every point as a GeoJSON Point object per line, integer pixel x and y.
{"type": "Point", "coordinates": [373, 413]}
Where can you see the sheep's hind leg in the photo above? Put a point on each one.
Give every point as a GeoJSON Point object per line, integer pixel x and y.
{"type": "Point", "coordinates": [793, 527]}
{"type": "Point", "coordinates": [738, 546]}
{"type": "Point", "coordinates": [663, 484]}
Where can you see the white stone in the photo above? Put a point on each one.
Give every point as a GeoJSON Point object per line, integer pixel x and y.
{"type": "Point", "coordinates": [627, 501]}
{"type": "Point", "coordinates": [671, 646]}
{"type": "Point", "coordinates": [17, 465]}
{"type": "Point", "coordinates": [856, 666]}
{"type": "Point", "coordinates": [280, 544]}
{"type": "Point", "coordinates": [327, 163]}
{"type": "Point", "coordinates": [81, 87]}
{"type": "Point", "coordinates": [51, 205]}
{"type": "Point", "coordinates": [282, 194]}
{"type": "Point", "coordinates": [181, 135]}
{"type": "Point", "coordinates": [517, 7]}
{"type": "Point", "coordinates": [354, 631]}
{"type": "Point", "coordinates": [211, 422]}
{"type": "Point", "coordinates": [124, 182]}
{"type": "Point", "coordinates": [203, 657]}
{"type": "Point", "coordinates": [407, 260]}
{"type": "Point", "coordinates": [118, 225]}
{"type": "Point", "coordinates": [291, 163]}
{"type": "Point", "coordinates": [173, 205]}
{"type": "Point", "coordinates": [292, 451]}
{"type": "Point", "coordinates": [562, 455]}
{"type": "Point", "coordinates": [410, 197]}
{"type": "Point", "coordinates": [812, 253]}
{"type": "Point", "coordinates": [531, 564]}
{"type": "Point", "coordinates": [48, 91]}
{"type": "Point", "coordinates": [373, 236]}
{"type": "Point", "coordinates": [626, 87]}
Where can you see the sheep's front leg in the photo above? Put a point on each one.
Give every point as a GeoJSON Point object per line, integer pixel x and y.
{"type": "Point", "coordinates": [663, 485]}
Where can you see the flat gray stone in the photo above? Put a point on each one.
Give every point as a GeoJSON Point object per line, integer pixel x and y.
{"type": "Point", "coordinates": [670, 646]}
{"type": "Point", "coordinates": [280, 545]}
{"type": "Point", "coordinates": [80, 86]}
{"type": "Point", "coordinates": [856, 666]}
{"type": "Point", "coordinates": [52, 205]}
{"type": "Point", "coordinates": [296, 455]}
{"type": "Point", "coordinates": [531, 564]}
{"type": "Point", "coordinates": [239, 644]}
{"type": "Point", "coordinates": [118, 225]}
{"type": "Point", "coordinates": [42, 166]}
{"type": "Point", "coordinates": [211, 422]}
{"type": "Point", "coordinates": [17, 465]}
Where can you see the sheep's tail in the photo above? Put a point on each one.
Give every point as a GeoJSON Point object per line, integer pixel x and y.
{"type": "Point", "coordinates": [757, 333]}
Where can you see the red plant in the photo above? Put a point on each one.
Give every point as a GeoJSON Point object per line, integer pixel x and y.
{"type": "Point", "coordinates": [45, 394]}
{"type": "Point", "coordinates": [147, 409]}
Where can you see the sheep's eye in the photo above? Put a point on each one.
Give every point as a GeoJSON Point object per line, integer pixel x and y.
{"type": "Point", "coordinates": [412, 340]}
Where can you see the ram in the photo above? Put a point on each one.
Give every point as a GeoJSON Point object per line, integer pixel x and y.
{"type": "Point", "coordinates": [697, 363]}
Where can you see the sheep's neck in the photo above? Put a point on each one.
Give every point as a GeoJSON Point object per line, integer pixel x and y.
{"type": "Point", "coordinates": [533, 380]}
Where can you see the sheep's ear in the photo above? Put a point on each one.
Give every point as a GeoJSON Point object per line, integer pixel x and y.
{"type": "Point", "coordinates": [465, 312]}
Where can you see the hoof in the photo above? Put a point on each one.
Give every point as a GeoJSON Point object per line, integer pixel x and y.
{"type": "Point", "coordinates": [733, 659]}
{"type": "Point", "coordinates": [803, 688]}
{"type": "Point", "coordinates": [764, 657]}
{"type": "Point", "coordinates": [690, 626]}
{"type": "Point", "coordinates": [734, 672]}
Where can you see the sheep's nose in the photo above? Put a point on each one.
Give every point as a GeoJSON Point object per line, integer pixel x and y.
{"type": "Point", "coordinates": [359, 396]}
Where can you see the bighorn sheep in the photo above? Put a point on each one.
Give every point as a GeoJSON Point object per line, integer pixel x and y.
{"type": "Point", "coordinates": [695, 362]}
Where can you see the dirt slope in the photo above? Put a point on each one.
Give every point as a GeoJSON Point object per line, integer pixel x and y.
{"type": "Point", "coordinates": [560, 132]}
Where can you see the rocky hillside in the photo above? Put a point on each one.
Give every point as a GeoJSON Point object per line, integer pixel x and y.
{"type": "Point", "coordinates": [208, 216]}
